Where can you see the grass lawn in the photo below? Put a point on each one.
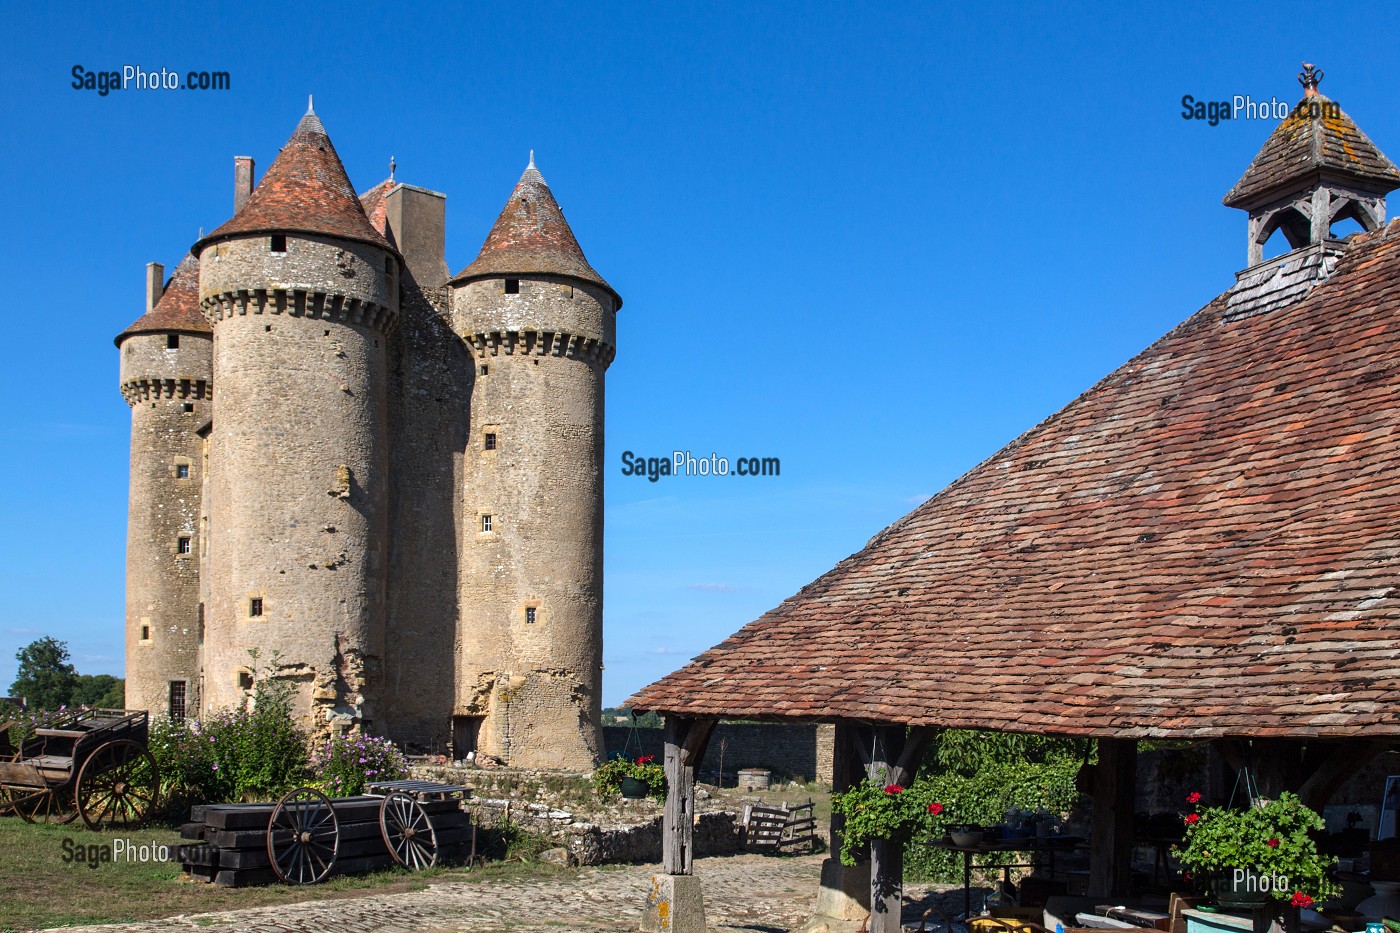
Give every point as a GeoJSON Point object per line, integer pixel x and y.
{"type": "Point", "coordinates": [39, 889]}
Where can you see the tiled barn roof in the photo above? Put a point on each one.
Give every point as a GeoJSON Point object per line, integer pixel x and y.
{"type": "Point", "coordinates": [178, 308]}
{"type": "Point", "coordinates": [1310, 141]}
{"type": "Point", "coordinates": [532, 236]}
{"type": "Point", "coordinates": [1205, 543]}
{"type": "Point", "coordinates": [375, 204]}
{"type": "Point", "coordinates": [305, 191]}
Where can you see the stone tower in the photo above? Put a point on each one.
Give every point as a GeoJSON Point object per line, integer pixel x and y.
{"type": "Point", "coordinates": [166, 377]}
{"type": "Point", "coordinates": [1315, 169]}
{"type": "Point", "coordinates": [541, 324]}
{"type": "Point", "coordinates": [301, 291]}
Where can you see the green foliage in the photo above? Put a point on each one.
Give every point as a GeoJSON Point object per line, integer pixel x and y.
{"type": "Point", "coordinates": [1273, 838]}
{"type": "Point", "coordinates": [102, 691]}
{"type": "Point", "coordinates": [45, 677]}
{"type": "Point", "coordinates": [238, 753]}
{"type": "Point", "coordinates": [876, 810]}
{"type": "Point", "coordinates": [607, 780]}
{"type": "Point", "coordinates": [343, 765]}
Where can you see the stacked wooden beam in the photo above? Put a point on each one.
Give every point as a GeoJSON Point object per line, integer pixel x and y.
{"type": "Point", "coordinates": [228, 842]}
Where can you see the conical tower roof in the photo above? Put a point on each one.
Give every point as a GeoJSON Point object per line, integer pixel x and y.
{"type": "Point", "coordinates": [305, 191]}
{"type": "Point", "coordinates": [1316, 138]}
{"type": "Point", "coordinates": [178, 307]}
{"type": "Point", "coordinates": [532, 237]}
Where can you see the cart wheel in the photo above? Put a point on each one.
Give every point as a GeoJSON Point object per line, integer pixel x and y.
{"type": "Point", "coordinates": [118, 786]}
{"type": "Point", "coordinates": [40, 805]}
{"type": "Point", "coordinates": [303, 837]}
{"type": "Point", "coordinates": [407, 832]}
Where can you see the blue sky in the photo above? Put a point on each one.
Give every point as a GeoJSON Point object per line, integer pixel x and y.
{"type": "Point", "coordinates": [876, 241]}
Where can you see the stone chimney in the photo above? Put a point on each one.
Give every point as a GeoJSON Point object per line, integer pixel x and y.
{"type": "Point", "coordinates": [417, 221]}
{"type": "Point", "coordinates": [155, 284]}
{"type": "Point", "coordinates": [242, 181]}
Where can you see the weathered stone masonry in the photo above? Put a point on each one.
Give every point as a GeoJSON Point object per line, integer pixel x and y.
{"type": "Point", "coordinates": [395, 498]}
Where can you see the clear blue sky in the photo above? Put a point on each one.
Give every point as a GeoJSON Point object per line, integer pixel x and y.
{"type": "Point", "coordinates": [877, 241]}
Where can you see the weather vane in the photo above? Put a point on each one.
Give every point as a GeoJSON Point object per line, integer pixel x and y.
{"type": "Point", "coordinates": [1309, 78]}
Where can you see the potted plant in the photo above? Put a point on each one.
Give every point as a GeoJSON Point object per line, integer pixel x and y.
{"type": "Point", "coordinates": [875, 810]}
{"type": "Point", "coordinates": [633, 778]}
{"type": "Point", "coordinates": [1260, 855]}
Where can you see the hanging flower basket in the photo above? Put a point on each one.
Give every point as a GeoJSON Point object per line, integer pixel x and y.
{"type": "Point", "coordinates": [633, 789]}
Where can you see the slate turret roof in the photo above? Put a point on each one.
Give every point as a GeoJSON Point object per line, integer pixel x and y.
{"type": "Point", "coordinates": [305, 191]}
{"type": "Point", "coordinates": [177, 311]}
{"type": "Point", "coordinates": [532, 236]}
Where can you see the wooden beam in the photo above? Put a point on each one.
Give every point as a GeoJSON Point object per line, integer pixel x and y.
{"type": "Point", "coordinates": [897, 753]}
{"type": "Point", "coordinates": [1111, 823]}
{"type": "Point", "coordinates": [845, 773]}
{"type": "Point", "coordinates": [686, 740]}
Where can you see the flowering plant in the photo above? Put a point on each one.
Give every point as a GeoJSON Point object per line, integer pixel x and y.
{"type": "Point", "coordinates": [607, 780]}
{"type": "Point", "coordinates": [1272, 838]}
{"type": "Point", "coordinates": [878, 810]}
{"type": "Point", "coordinates": [344, 765]}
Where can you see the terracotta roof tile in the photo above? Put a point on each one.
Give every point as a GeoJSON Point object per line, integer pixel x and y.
{"type": "Point", "coordinates": [1310, 141]}
{"type": "Point", "coordinates": [531, 235]}
{"type": "Point", "coordinates": [305, 191]}
{"type": "Point", "coordinates": [178, 307]}
{"type": "Point", "coordinates": [1204, 543]}
{"type": "Point", "coordinates": [375, 205]}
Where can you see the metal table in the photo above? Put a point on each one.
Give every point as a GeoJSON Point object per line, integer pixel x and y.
{"type": "Point", "coordinates": [1032, 844]}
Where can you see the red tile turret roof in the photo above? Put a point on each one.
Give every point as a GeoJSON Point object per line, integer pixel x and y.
{"type": "Point", "coordinates": [305, 191]}
{"type": "Point", "coordinates": [1205, 543]}
{"type": "Point", "coordinates": [177, 311]}
{"type": "Point", "coordinates": [532, 236]}
{"type": "Point", "coordinates": [1313, 139]}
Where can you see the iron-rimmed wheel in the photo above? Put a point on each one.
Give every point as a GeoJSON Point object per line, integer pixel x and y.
{"type": "Point", "coordinates": [303, 836]}
{"type": "Point", "coordinates": [407, 832]}
{"type": "Point", "coordinates": [118, 786]}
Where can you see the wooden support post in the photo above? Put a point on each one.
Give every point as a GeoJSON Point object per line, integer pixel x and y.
{"type": "Point", "coordinates": [895, 757]}
{"type": "Point", "coordinates": [1111, 825]}
{"type": "Point", "coordinates": [686, 740]}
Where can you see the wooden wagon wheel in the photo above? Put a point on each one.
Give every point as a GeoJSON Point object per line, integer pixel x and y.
{"type": "Point", "coordinates": [118, 786]}
{"type": "Point", "coordinates": [303, 837]}
{"type": "Point", "coordinates": [407, 832]}
{"type": "Point", "coordinates": [38, 804]}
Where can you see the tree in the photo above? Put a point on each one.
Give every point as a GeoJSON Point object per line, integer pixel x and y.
{"type": "Point", "coordinates": [100, 690]}
{"type": "Point", "coordinates": [46, 678]}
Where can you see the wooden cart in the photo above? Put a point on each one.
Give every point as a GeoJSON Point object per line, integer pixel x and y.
{"type": "Point", "coordinates": [92, 763]}
{"type": "Point", "coordinates": [304, 833]}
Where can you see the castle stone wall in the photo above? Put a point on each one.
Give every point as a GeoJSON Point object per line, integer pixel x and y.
{"type": "Point", "coordinates": [541, 394]}
{"type": "Point", "coordinates": [162, 594]}
{"type": "Point", "coordinates": [298, 466]}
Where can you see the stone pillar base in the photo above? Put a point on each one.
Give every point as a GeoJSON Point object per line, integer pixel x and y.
{"type": "Point", "coordinates": [844, 894]}
{"type": "Point", "coordinates": [674, 905]}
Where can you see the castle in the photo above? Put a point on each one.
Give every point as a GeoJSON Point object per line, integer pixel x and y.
{"type": "Point", "coordinates": [377, 482]}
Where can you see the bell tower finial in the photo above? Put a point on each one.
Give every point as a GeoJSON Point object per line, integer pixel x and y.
{"type": "Point", "coordinates": [310, 104]}
{"type": "Point", "coordinates": [393, 167]}
{"type": "Point", "coordinates": [1309, 78]}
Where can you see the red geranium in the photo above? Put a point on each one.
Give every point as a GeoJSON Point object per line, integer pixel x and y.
{"type": "Point", "coordinates": [935, 808]}
{"type": "Point", "coordinates": [645, 759]}
{"type": "Point", "coordinates": [1191, 818]}
{"type": "Point", "coordinates": [893, 789]}
{"type": "Point", "coordinates": [1272, 843]}
{"type": "Point", "coordinates": [1300, 899]}
{"type": "Point", "coordinates": [1193, 797]}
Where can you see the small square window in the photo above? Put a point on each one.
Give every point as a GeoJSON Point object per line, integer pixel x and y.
{"type": "Point", "coordinates": [485, 369]}
{"type": "Point", "coordinates": [255, 606]}
{"type": "Point", "coordinates": [182, 545]}
{"type": "Point", "coordinates": [530, 615]}
{"type": "Point", "coordinates": [278, 243]}
{"type": "Point", "coordinates": [485, 523]}
{"type": "Point", "coordinates": [145, 633]}
{"type": "Point", "coordinates": [189, 406]}
{"type": "Point", "coordinates": [172, 341]}
{"type": "Point", "coordinates": [490, 442]}
{"type": "Point", "coordinates": [182, 471]}
{"type": "Point", "coordinates": [245, 680]}
{"type": "Point", "coordinates": [512, 286]}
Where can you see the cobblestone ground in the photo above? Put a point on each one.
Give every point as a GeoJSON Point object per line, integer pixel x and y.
{"type": "Point", "coordinates": [750, 893]}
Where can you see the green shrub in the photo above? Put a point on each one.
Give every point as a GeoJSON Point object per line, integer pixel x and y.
{"type": "Point", "coordinates": [876, 810]}
{"type": "Point", "coordinates": [343, 765]}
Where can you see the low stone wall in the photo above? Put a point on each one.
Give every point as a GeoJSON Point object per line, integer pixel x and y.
{"type": "Point", "coordinates": [801, 751]}
{"type": "Point", "coordinates": [562, 807]}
